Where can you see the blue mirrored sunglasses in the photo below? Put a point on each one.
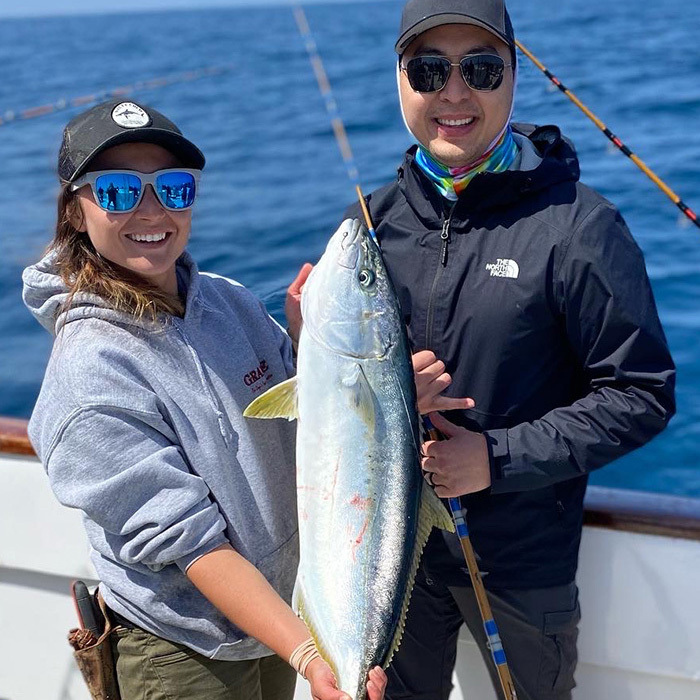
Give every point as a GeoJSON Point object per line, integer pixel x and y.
{"type": "Point", "coordinates": [121, 191]}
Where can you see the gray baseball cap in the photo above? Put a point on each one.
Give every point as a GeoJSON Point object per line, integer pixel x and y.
{"type": "Point", "coordinates": [420, 15]}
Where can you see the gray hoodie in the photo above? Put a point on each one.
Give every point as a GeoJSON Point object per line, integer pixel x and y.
{"type": "Point", "coordinates": [140, 427]}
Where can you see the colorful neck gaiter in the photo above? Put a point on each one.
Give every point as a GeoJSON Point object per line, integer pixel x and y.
{"type": "Point", "coordinates": [451, 182]}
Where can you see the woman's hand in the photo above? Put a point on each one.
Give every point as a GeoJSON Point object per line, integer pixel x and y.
{"type": "Point", "coordinates": [431, 381]}
{"type": "Point", "coordinates": [325, 687]}
{"type": "Point", "coordinates": [245, 597]}
{"type": "Point", "coordinates": [292, 304]}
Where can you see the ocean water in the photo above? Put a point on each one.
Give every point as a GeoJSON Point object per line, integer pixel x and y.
{"type": "Point", "coordinates": [275, 185]}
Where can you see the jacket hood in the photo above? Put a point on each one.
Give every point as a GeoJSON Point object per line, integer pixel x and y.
{"type": "Point", "coordinates": [45, 294]}
{"type": "Point", "coordinates": [487, 190]}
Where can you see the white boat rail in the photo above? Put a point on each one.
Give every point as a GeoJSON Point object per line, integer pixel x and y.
{"type": "Point", "coordinates": [639, 578]}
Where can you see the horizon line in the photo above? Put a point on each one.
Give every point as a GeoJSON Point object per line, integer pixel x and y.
{"type": "Point", "coordinates": [140, 10]}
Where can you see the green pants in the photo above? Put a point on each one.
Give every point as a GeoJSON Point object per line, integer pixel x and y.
{"type": "Point", "coordinates": [151, 668]}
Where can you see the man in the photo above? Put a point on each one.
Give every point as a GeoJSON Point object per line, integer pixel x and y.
{"type": "Point", "coordinates": [530, 289]}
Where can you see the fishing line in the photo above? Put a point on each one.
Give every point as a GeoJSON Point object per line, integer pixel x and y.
{"type": "Point", "coordinates": [458, 512]}
{"type": "Point", "coordinates": [66, 103]}
{"type": "Point", "coordinates": [324, 86]}
{"type": "Point", "coordinates": [615, 139]}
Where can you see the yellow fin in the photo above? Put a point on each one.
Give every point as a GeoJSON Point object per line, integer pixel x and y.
{"type": "Point", "coordinates": [436, 513]}
{"type": "Point", "coordinates": [299, 607]}
{"type": "Point", "coordinates": [432, 514]}
{"type": "Point", "coordinates": [278, 402]}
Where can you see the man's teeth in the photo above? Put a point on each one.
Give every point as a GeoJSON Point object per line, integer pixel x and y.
{"type": "Point", "coordinates": [147, 237]}
{"type": "Point", "coordinates": [455, 122]}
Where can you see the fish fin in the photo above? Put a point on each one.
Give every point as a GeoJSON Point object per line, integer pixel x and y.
{"type": "Point", "coordinates": [278, 402]}
{"type": "Point", "coordinates": [362, 395]}
{"type": "Point", "coordinates": [432, 514]}
{"type": "Point", "coordinates": [300, 608]}
{"type": "Point", "coordinates": [437, 515]}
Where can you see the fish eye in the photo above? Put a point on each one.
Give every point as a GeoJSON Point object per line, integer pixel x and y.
{"type": "Point", "coordinates": [366, 277]}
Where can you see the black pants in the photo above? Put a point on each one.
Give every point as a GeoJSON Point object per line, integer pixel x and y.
{"type": "Point", "coordinates": [538, 629]}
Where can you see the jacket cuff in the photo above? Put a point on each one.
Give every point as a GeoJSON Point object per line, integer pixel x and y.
{"type": "Point", "coordinates": [185, 562]}
{"type": "Point", "coordinates": [499, 454]}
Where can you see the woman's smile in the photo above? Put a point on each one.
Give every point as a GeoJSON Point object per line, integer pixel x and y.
{"type": "Point", "coordinates": [149, 239]}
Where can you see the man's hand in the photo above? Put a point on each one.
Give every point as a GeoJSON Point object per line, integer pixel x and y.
{"type": "Point", "coordinates": [431, 381]}
{"type": "Point", "coordinates": [376, 685]}
{"type": "Point", "coordinates": [292, 304]}
{"type": "Point", "coordinates": [457, 465]}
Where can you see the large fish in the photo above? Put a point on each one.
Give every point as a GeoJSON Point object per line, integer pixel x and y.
{"type": "Point", "coordinates": [364, 509]}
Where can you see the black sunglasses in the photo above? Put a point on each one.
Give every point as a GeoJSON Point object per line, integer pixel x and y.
{"type": "Point", "coordinates": [431, 73]}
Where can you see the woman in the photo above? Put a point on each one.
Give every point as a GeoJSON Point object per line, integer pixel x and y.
{"type": "Point", "coordinates": [189, 509]}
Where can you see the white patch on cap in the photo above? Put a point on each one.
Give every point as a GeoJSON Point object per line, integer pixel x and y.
{"type": "Point", "coordinates": [130, 116]}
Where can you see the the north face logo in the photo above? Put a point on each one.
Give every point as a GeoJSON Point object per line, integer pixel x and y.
{"type": "Point", "coordinates": [504, 267]}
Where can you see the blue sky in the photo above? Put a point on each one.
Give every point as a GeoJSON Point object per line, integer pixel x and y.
{"type": "Point", "coordinates": [33, 8]}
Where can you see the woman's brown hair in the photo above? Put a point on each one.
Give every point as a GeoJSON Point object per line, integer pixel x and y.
{"type": "Point", "coordinates": [83, 269]}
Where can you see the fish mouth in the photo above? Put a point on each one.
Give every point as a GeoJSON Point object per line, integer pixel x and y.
{"type": "Point", "coordinates": [354, 248]}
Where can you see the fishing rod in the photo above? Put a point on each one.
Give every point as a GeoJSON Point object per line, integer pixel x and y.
{"type": "Point", "coordinates": [494, 640]}
{"type": "Point", "coordinates": [324, 86]}
{"type": "Point", "coordinates": [10, 116]}
{"type": "Point", "coordinates": [458, 512]}
{"type": "Point", "coordinates": [687, 211]}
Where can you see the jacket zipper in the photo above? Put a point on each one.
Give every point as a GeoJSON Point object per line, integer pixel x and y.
{"type": "Point", "coordinates": [445, 239]}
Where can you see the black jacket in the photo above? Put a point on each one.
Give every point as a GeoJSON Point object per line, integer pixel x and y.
{"type": "Point", "coordinates": [534, 294]}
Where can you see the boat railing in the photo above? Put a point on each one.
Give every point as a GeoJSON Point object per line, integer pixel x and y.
{"type": "Point", "coordinates": [611, 508]}
{"type": "Point", "coordinates": [13, 437]}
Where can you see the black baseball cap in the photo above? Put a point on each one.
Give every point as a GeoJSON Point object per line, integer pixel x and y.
{"type": "Point", "coordinates": [420, 15]}
{"type": "Point", "coordinates": [115, 122]}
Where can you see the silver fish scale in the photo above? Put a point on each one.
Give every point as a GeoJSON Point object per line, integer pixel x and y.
{"type": "Point", "coordinates": [358, 479]}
